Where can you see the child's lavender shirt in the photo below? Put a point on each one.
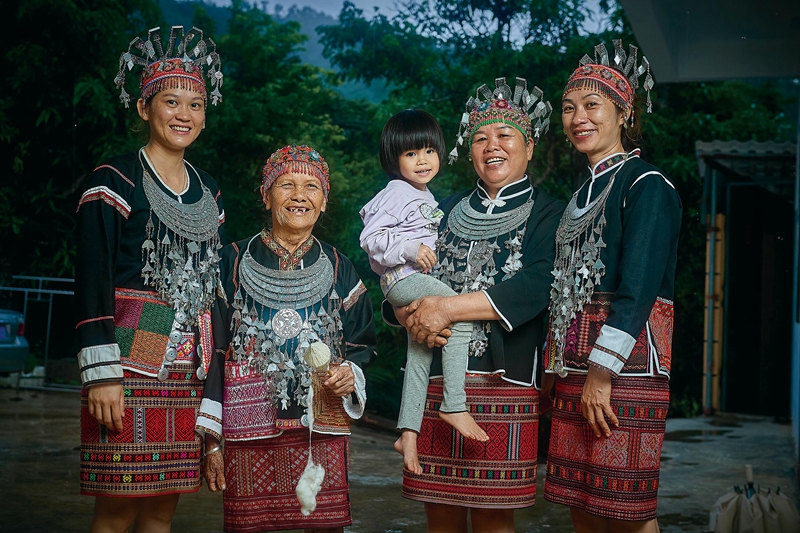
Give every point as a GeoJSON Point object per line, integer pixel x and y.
{"type": "Point", "coordinates": [396, 222]}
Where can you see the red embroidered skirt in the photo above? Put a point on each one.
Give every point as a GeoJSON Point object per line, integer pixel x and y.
{"type": "Point", "coordinates": [262, 475]}
{"type": "Point", "coordinates": [498, 474]}
{"type": "Point", "coordinates": [157, 452]}
{"type": "Point", "coordinates": [615, 477]}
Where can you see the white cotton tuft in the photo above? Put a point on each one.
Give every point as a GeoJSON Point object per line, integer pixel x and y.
{"type": "Point", "coordinates": [318, 355]}
{"type": "Point", "coordinates": [308, 487]}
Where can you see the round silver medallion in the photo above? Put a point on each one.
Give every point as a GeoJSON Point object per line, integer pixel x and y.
{"type": "Point", "coordinates": [170, 354]}
{"type": "Point", "coordinates": [180, 317]}
{"type": "Point", "coordinates": [199, 350]}
{"type": "Point", "coordinates": [304, 420]}
{"type": "Point", "coordinates": [175, 336]}
{"type": "Point", "coordinates": [201, 373]}
{"type": "Point", "coordinates": [163, 374]}
{"type": "Point", "coordinates": [287, 323]}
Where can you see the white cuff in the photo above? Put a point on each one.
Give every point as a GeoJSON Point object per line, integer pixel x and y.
{"type": "Point", "coordinates": [209, 418]}
{"type": "Point", "coordinates": [612, 349]}
{"type": "Point", "coordinates": [356, 410]}
{"type": "Point", "coordinates": [100, 363]}
{"type": "Point", "coordinates": [503, 321]}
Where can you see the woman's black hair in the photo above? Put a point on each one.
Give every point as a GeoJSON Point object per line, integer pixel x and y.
{"type": "Point", "coordinates": [411, 129]}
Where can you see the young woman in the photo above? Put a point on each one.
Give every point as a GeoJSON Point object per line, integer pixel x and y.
{"type": "Point", "coordinates": [150, 227]}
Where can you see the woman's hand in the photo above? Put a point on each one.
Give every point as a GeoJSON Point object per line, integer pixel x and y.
{"type": "Point", "coordinates": [107, 404]}
{"type": "Point", "coordinates": [341, 381]}
{"type": "Point", "coordinates": [402, 315]}
{"type": "Point", "coordinates": [214, 465]}
{"type": "Point", "coordinates": [596, 402]}
{"type": "Point", "coordinates": [429, 319]}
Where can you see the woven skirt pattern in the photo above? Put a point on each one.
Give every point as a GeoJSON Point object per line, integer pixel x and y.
{"type": "Point", "coordinates": [157, 452]}
{"type": "Point", "coordinates": [499, 473]}
{"type": "Point", "coordinates": [615, 477]}
{"type": "Point", "coordinates": [261, 477]}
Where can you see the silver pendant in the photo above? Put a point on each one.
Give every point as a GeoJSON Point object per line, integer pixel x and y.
{"type": "Point", "coordinates": [201, 373]}
{"type": "Point", "coordinates": [163, 374]}
{"type": "Point", "coordinates": [171, 354]}
{"type": "Point", "coordinates": [175, 336]}
{"type": "Point", "coordinates": [287, 323]}
{"type": "Point", "coordinates": [560, 370]}
{"type": "Point", "coordinates": [304, 420]}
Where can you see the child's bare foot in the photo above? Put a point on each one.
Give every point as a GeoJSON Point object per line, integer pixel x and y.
{"type": "Point", "coordinates": [465, 424]}
{"type": "Point", "coordinates": [406, 446]}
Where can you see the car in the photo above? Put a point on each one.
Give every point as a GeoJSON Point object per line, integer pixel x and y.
{"type": "Point", "coordinates": [13, 344]}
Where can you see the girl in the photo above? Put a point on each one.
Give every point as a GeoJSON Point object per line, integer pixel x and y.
{"type": "Point", "coordinates": [400, 229]}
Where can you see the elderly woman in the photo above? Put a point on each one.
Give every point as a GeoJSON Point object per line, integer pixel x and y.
{"type": "Point", "coordinates": [286, 295]}
{"type": "Point", "coordinates": [495, 250]}
{"type": "Point", "coordinates": [610, 337]}
{"type": "Point", "coordinates": [150, 227]}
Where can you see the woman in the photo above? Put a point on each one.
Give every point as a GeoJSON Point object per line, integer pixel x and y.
{"type": "Point", "coordinates": [286, 293]}
{"type": "Point", "coordinates": [610, 336]}
{"type": "Point", "coordinates": [150, 227]}
{"type": "Point", "coordinates": [495, 250]}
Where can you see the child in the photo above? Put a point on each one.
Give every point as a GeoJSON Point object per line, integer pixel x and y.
{"type": "Point", "coordinates": [400, 229]}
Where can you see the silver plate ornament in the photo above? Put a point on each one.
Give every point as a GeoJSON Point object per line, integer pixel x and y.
{"type": "Point", "coordinates": [163, 374]}
{"type": "Point", "coordinates": [287, 323]}
{"type": "Point", "coordinates": [201, 373]}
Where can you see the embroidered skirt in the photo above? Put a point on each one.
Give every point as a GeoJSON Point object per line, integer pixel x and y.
{"type": "Point", "coordinates": [157, 452]}
{"type": "Point", "coordinates": [262, 475]}
{"type": "Point", "coordinates": [615, 477]}
{"type": "Point", "coordinates": [497, 474]}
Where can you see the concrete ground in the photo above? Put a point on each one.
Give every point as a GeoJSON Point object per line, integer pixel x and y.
{"type": "Point", "coordinates": [702, 459]}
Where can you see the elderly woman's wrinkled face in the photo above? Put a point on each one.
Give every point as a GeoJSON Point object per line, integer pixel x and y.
{"type": "Point", "coordinates": [296, 202]}
{"type": "Point", "coordinates": [500, 155]}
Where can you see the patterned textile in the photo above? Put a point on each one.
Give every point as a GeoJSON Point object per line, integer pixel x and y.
{"type": "Point", "coordinates": [262, 476]}
{"type": "Point", "coordinates": [157, 452]}
{"type": "Point", "coordinates": [498, 474]}
{"type": "Point", "coordinates": [653, 345]}
{"type": "Point", "coordinates": [288, 260]}
{"type": "Point", "coordinates": [142, 323]}
{"type": "Point", "coordinates": [615, 477]}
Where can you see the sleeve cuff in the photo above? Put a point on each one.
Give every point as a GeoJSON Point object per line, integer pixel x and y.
{"type": "Point", "coordinates": [100, 364]}
{"type": "Point", "coordinates": [355, 408]}
{"type": "Point", "coordinates": [611, 350]}
{"type": "Point", "coordinates": [410, 251]}
{"type": "Point", "coordinates": [503, 320]}
{"type": "Point", "coordinates": [209, 418]}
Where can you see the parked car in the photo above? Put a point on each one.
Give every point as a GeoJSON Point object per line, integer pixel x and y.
{"type": "Point", "coordinates": [13, 344]}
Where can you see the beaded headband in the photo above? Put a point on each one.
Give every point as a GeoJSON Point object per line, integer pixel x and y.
{"type": "Point", "coordinates": [617, 82]}
{"type": "Point", "coordinates": [506, 106]}
{"type": "Point", "coordinates": [180, 66]}
{"type": "Point", "coordinates": [300, 159]}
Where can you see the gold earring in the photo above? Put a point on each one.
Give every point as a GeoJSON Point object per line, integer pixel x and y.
{"type": "Point", "coordinates": [469, 157]}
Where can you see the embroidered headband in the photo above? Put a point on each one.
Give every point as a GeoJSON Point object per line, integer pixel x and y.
{"type": "Point", "coordinates": [506, 106]}
{"type": "Point", "coordinates": [180, 66]}
{"type": "Point", "coordinates": [617, 82]}
{"type": "Point", "coordinates": [300, 159]}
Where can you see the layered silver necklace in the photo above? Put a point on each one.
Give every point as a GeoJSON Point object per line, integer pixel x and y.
{"type": "Point", "coordinates": [578, 267]}
{"type": "Point", "coordinates": [180, 254]}
{"type": "Point", "coordinates": [277, 315]}
{"type": "Point", "coordinates": [467, 247]}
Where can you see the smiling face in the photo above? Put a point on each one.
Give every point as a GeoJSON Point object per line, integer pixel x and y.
{"type": "Point", "coordinates": [592, 123]}
{"type": "Point", "coordinates": [500, 155]}
{"type": "Point", "coordinates": [418, 167]}
{"type": "Point", "coordinates": [296, 202]}
{"type": "Point", "coordinates": [175, 118]}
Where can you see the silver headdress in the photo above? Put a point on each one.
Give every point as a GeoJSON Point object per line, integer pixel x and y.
{"type": "Point", "coordinates": [618, 81]}
{"type": "Point", "coordinates": [504, 105]}
{"type": "Point", "coordinates": [180, 66]}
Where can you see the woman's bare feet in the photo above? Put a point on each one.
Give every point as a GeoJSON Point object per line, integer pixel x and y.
{"type": "Point", "coordinates": [406, 446]}
{"type": "Point", "coordinates": [465, 424]}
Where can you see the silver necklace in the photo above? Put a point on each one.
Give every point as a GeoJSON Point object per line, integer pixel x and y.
{"type": "Point", "coordinates": [180, 254]}
{"type": "Point", "coordinates": [277, 315]}
{"type": "Point", "coordinates": [578, 267]}
{"type": "Point", "coordinates": [467, 248]}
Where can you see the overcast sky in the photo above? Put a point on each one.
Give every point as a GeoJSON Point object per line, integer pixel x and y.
{"type": "Point", "coordinates": [331, 7]}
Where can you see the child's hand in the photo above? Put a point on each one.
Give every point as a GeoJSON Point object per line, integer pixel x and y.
{"type": "Point", "coordinates": [425, 257]}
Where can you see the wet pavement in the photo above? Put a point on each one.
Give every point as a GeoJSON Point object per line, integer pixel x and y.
{"type": "Point", "coordinates": [702, 459]}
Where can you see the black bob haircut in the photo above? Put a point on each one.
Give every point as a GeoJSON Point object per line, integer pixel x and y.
{"type": "Point", "coordinates": [412, 129]}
